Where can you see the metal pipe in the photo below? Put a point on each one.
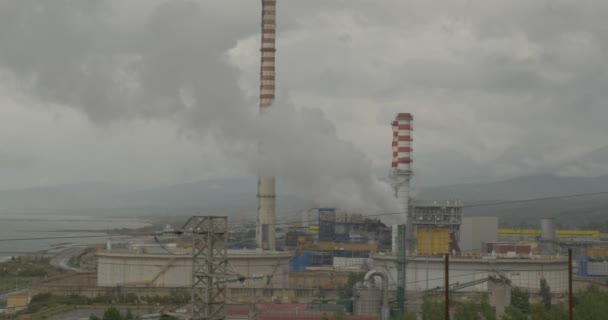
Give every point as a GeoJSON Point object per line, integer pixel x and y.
{"type": "Point", "coordinates": [447, 286]}
{"type": "Point", "coordinates": [369, 277]}
{"type": "Point", "coordinates": [570, 314]}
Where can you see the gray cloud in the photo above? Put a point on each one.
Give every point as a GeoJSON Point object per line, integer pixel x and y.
{"type": "Point", "coordinates": [173, 65]}
{"type": "Point", "coordinates": [497, 88]}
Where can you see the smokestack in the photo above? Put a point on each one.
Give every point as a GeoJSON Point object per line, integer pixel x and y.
{"type": "Point", "coordinates": [547, 236]}
{"type": "Point", "coordinates": [265, 221]}
{"type": "Point", "coordinates": [401, 170]}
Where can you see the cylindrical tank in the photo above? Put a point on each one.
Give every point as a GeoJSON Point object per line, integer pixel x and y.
{"type": "Point", "coordinates": [547, 236]}
{"type": "Point", "coordinates": [368, 299]}
{"type": "Point", "coordinates": [547, 229]}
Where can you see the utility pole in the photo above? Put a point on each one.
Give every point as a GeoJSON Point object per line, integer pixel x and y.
{"type": "Point", "coordinates": [570, 314]}
{"type": "Point", "coordinates": [209, 265]}
{"type": "Point", "coordinates": [447, 286]}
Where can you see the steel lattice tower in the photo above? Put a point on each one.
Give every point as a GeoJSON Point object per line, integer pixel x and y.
{"type": "Point", "coordinates": [209, 265]}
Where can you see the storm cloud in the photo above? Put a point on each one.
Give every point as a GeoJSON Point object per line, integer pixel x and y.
{"type": "Point", "coordinates": [497, 89]}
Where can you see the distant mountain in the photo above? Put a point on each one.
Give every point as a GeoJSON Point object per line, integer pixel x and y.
{"type": "Point", "coordinates": [218, 196]}
{"type": "Point", "coordinates": [238, 195]}
{"type": "Point", "coordinates": [533, 186]}
{"type": "Point", "coordinates": [574, 212]}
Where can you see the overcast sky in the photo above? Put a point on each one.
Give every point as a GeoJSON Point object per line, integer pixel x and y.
{"type": "Point", "coordinates": [145, 91]}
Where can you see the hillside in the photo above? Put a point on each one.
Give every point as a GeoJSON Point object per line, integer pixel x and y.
{"type": "Point", "coordinates": [574, 212]}
{"type": "Point", "coordinates": [218, 196]}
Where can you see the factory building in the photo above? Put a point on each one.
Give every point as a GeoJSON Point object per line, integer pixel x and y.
{"type": "Point", "coordinates": [477, 232]}
{"type": "Point", "coordinates": [434, 227]}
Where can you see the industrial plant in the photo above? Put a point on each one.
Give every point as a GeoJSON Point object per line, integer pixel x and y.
{"type": "Point", "coordinates": [304, 269]}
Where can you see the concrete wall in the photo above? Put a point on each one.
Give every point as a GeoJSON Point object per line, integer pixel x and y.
{"type": "Point", "coordinates": [302, 287]}
{"type": "Point", "coordinates": [165, 270]}
{"type": "Point", "coordinates": [427, 273]}
{"type": "Point", "coordinates": [351, 263]}
{"type": "Point", "coordinates": [475, 231]}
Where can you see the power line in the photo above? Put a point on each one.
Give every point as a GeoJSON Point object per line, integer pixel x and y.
{"type": "Point", "coordinates": [537, 199]}
{"type": "Point", "coordinates": [301, 221]}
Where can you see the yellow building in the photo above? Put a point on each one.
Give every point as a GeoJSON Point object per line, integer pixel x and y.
{"type": "Point", "coordinates": [527, 233]}
{"type": "Point", "coordinates": [17, 302]}
{"type": "Point", "coordinates": [432, 240]}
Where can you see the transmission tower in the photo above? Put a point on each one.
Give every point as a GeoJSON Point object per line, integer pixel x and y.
{"type": "Point", "coordinates": [209, 265]}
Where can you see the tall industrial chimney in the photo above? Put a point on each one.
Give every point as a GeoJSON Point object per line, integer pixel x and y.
{"type": "Point", "coordinates": [401, 170]}
{"type": "Point", "coordinates": [547, 236]}
{"type": "Point", "coordinates": [265, 221]}
{"type": "Point", "coordinates": [400, 177]}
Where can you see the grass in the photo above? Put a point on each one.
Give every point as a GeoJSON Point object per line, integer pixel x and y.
{"type": "Point", "coordinates": [23, 271]}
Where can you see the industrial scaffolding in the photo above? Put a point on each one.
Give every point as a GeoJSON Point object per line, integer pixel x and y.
{"type": "Point", "coordinates": [209, 265]}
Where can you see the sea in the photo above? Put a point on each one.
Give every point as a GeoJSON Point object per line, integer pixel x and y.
{"type": "Point", "coordinates": [36, 234]}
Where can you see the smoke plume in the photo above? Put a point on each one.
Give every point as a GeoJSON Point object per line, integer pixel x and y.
{"type": "Point", "coordinates": [167, 59]}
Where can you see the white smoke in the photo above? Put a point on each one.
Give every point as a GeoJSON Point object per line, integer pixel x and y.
{"type": "Point", "coordinates": [167, 60]}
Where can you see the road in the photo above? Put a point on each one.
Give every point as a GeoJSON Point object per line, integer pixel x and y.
{"type": "Point", "coordinates": [61, 259]}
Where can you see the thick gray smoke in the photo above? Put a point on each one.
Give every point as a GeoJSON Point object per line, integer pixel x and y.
{"type": "Point", "coordinates": [167, 59]}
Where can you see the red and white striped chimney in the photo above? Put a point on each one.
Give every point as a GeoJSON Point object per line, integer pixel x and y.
{"type": "Point", "coordinates": [266, 196]}
{"type": "Point", "coordinates": [401, 167]}
{"type": "Point", "coordinates": [402, 144]}
{"type": "Point", "coordinates": [268, 49]}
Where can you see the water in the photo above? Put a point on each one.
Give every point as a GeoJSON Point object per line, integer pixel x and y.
{"type": "Point", "coordinates": [80, 230]}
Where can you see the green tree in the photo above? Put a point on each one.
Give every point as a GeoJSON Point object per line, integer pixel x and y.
{"type": "Point", "coordinates": [487, 311]}
{"type": "Point", "coordinates": [467, 311]}
{"type": "Point", "coordinates": [520, 299]}
{"type": "Point", "coordinates": [340, 315]}
{"type": "Point", "coordinates": [94, 317]}
{"type": "Point", "coordinates": [538, 312]}
{"type": "Point", "coordinates": [346, 291]}
{"type": "Point", "coordinates": [514, 313]}
{"type": "Point", "coordinates": [129, 315]}
{"type": "Point", "coordinates": [407, 316]}
{"type": "Point", "coordinates": [432, 310]}
{"type": "Point", "coordinates": [112, 314]}
{"type": "Point", "coordinates": [545, 293]}
{"type": "Point", "coordinates": [591, 304]}
{"type": "Point", "coordinates": [558, 312]}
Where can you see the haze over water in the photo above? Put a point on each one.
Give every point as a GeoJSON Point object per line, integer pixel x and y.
{"type": "Point", "coordinates": [39, 226]}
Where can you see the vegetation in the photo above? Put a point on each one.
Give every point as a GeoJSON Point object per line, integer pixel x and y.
{"type": "Point", "coordinates": [346, 291]}
{"type": "Point", "coordinates": [591, 304]}
{"type": "Point", "coordinates": [340, 315]}
{"type": "Point", "coordinates": [406, 316]}
{"type": "Point", "coordinates": [432, 310]}
{"type": "Point", "coordinates": [545, 294]}
{"type": "Point", "coordinates": [473, 310]}
{"type": "Point", "coordinates": [23, 271]}
{"type": "Point", "coordinates": [520, 300]}
{"type": "Point", "coordinates": [74, 261]}
{"type": "Point", "coordinates": [467, 311]}
{"type": "Point", "coordinates": [114, 314]}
